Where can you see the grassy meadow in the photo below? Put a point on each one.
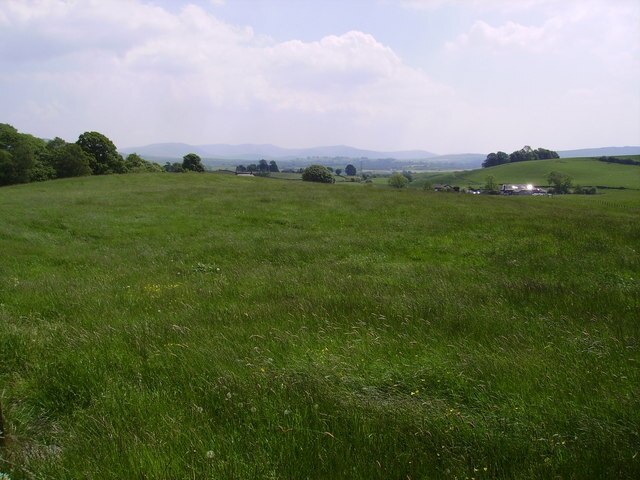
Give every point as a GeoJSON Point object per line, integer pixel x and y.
{"type": "Point", "coordinates": [165, 326]}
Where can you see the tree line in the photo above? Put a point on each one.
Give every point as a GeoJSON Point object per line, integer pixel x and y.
{"type": "Point", "coordinates": [262, 166]}
{"type": "Point", "coordinates": [191, 162]}
{"type": "Point", "coordinates": [523, 155]}
{"type": "Point", "coordinates": [25, 158]}
{"type": "Point", "coordinates": [622, 161]}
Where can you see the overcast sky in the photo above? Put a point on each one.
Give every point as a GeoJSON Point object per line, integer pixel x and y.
{"type": "Point", "coordinates": [448, 76]}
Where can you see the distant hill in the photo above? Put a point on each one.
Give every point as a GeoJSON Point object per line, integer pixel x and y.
{"type": "Point", "coordinates": [599, 152]}
{"type": "Point", "coordinates": [254, 152]}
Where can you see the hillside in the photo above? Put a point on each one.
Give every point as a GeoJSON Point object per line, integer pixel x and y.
{"type": "Point", "coordinates": [583, 171]}
{"type": "Point", "coordinates": [169, 326]}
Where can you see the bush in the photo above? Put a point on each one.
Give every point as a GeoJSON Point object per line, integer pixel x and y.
{"type": "Point", "coordinates": [317, 173]}
{"type": "Point", "coordinates": [580, 190]}
{"type": "Point", "coordinates": [398, 180]}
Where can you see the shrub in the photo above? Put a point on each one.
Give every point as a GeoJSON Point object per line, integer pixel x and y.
{"type": "Point", "coordinates": [317, 173]}
{"type": "Point", "coordinates": [398, 180]}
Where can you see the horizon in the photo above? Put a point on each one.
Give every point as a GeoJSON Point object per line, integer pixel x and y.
{"type": "Point", "coordinates": [385, 75]}
{"type": "Point", "coordinates": [370, 149]}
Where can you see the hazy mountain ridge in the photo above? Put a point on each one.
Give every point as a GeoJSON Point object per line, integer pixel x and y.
{"type": "Point", "coordinates": [600, 151]}
{"type": "Point", "coordinates": [269, 152]}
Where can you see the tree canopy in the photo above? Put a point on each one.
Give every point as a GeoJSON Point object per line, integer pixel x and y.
{"type": "Point", "coordinates": [350, 170]}
{"type": "Point", "coordinates": [525, 154]}
{"type": "Point", "coordinates": [317, 173]}
{"type": "Point", "coordinates": [25, 158]}
{"type": "Point", "coordinates": [70, 160]}
{"type": "Point", "coordinates": [192, 162]}
{"type": "Point", "coordinates": [105, 156]}
{"type": "Point", "coordinates": [560, 182]}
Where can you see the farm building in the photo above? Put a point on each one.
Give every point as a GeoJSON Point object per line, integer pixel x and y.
{"type": "Point", "coordinates": [520, 189]}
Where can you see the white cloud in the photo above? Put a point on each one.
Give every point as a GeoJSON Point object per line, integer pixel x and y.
{"type": "Point", "coordinates": [146, 74]}
{"type": "Point", "coordinates": [142, 73]}
{"type": "Point", "coordinates": [511, 34]}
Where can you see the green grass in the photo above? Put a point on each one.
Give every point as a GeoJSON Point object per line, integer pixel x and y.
{"type": "Point", "coordinates": [583, 171]}
{"type": "Point", "coordinates": [207, 326]}
{"type": "Point", "coordinates": [286, 176]}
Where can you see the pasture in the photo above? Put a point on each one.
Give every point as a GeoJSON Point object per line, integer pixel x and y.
{"type": "Point", "coordinates": [170, 326]}
{"type": "Point", "coordinates": [583, 171]}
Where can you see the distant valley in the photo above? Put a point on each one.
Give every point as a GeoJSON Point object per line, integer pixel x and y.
{"type": "Point", "coordinates": [225, 154]}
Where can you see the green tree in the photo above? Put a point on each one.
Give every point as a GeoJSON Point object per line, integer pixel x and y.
{"type": "Point", "coordinates": [273, 167]}
{"type": "Point", "coordinates": [338, 171]}
{"type": "Point", "coordinates": [560, 182]}
{"type": "Point", "coordinates": [544, 154]}
{"type": "Point", "coordinates": [133, 161]}
{"type": "Point", "coordinates": [26, 159]}
{"type": "Point", "coordinates": [523, 155]}
{"type": "Point", "coordinates": [136, 164]}
{"type": "Point", "coordinates": [192, 162]}
{"type": "Point", "coordinates": [317, 173]}
{"type": "Point", "coordinates": [350, 170]}
{"type": "Point", "coordinates": [8, 174]}
{"type": "Point", "coordinates": [263, 166]}
{"type": "Point", "coordinates": [8, 136]}
{"type": "Point", "coordinates": [71, 160]}
{"type": "Point", "coordinates": [398, 180]}
{"type": "Point", "coordinates": [497, 158]}
{"type": "Point", "coordinates": [491, 185]}
{"type": "Point", "coordinates": [105, 157]}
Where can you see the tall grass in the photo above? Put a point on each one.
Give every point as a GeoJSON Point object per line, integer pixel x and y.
{"type": "Point", "coordinates": [203, 326]}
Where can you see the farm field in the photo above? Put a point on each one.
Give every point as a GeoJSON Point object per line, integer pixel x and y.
{"type": "Point", "coordinates": [170, 326]}
{"type": "Point", "coordinates": [583, 171]}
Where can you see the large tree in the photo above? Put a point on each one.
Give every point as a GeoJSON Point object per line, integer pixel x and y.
{"type": "Point", "coordinates": [192, 162]}
{"type": "Point", "coordinates": [544, 154]}
{"type": "Point", "coordinates": [21, 162]}
{"type": "Point", "coordinates": [494, 159]}
{"type": "Point", "coordinates": [350, 170]}
{"type": "Point", "coordinates": [273, 167]}
{"type": "Point", "coordinates": [263, 166]}
{"type": "Point", "coordinates": [561, 182]}
{"type": "Point", "coordinates": [105, 157]}
{"type": "Point", "coordinates": [71, 160]}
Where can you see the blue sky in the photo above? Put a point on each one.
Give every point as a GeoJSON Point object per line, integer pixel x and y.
{"type": "Point", "coordinates": [449, 76]}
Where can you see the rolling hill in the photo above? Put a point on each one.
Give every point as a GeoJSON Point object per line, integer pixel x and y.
{"type": "Point", "coordinates": [583, 171]}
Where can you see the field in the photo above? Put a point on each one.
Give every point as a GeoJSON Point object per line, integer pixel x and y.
{"type": "Point", "coordinates": [165, 326]}
{"type": "Point", "coordinates": [583, 171]}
